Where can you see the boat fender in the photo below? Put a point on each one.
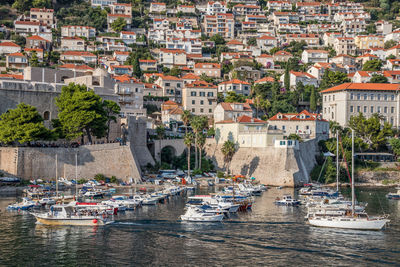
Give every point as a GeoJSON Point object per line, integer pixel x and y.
{"type": "Point", "coordinates": [94, 221]}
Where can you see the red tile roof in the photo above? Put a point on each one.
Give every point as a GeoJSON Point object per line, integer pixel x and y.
{"type": "Point", "coordinates": [363, 86]}
{"type": "Point", "coordinates": [307, 116]}
{"type": "Point", "coordinates": [230, 106]}
{"type": "Point", "coordinates": [37, 37]}
{"type": "Point", "coordinates": [206, 64]}
{"type": "Point", "coordinates": [9, 44]}
{"type": "Point", "coordinates": [201, 84]}
{"type": "Point", "coordinates": [235, 81]}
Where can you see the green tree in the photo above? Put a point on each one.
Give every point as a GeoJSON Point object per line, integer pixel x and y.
{"type": "Point", "coordinates": [22, 125]}
{"type": "Point", "coordinates": [160, 131]}
{"type": "Point", "coordinates": [376, 78]}
{"type": "Point", "coordinates": [332, 78]}
{"type": "Point", "coordinates": [22, 5]}
{"type": "Point", "coordinates": [228, 150]}
{"type": "Point", "coordinates": [294, 137]}
{"type": "Point", "coordinates": [119, 24]}
{"type": "Point", "coordinates": [34, 60]}
{"type": "Point", "coordinates": [395, 144]}
{"type": "Point", "coordinates": [313, 100]}
{"type": "Point", "coordinates": [218, 39]}
{"type": "Point", "coordinates": [370, 130]}
{"type": "Point", "coordinates": [252, 41]}
{"type": "Point", "coordinates": [198, 123]}
{"type": "Point", "coordinates": [81, 112]}
{"type": "Point", "coordinates": [186, 117]}
{"type": "Point", "coordinates": [41, 3]}
{"type": "Point", "coordinates": [372, 65]}
{"type": "Point", "coordinates": [201, 141]}
{"type": "Point", "coordinates": [111, 109]}
{"type": "Point", "coordinates": [232, 97]}
{"type": "Point", "coordinates": [188, 141]}
{"type": "Point", "coordinates": [136, 67]}
{"type": "Point", "coordinates": [390, 44]}
{"type": "Point", "coordinates": [286, 80]}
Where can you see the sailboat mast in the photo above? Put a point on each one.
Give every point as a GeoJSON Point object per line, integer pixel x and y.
{"type": "Point", "coordinates": [352, 172]}
{"type": "Point", "coordinates": [337, 160]}
{"type": "Point", "coordinates": [56, 176]}
{"type": "Point", "coordinates": [76, 176]}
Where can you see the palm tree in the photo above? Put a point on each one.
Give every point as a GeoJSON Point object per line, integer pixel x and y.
{"type": "Point", "coordinates": [188, 141]}
{"type": "Point", "coordinates": [201, 142]}
{"type": "Point", "coordinates": [197, 126]}
{"type": "Point", "coordinates": [186, 117]}
{"type": "Point", "coordinates": [228, 149]}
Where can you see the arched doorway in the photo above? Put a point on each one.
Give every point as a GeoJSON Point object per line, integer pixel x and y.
{"type": "Point", "coordinates": [167, 154]}
{"type": "Point", "coordinates": [46, 115]}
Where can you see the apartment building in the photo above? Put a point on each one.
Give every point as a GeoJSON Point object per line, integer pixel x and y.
{"type": "Point", "coordinates": [305, 124]}
{"type": "Point", "coordinates": [9, 47]}
{"type": "Point", "coordinates": [298, 76]}
{"type": "Point", "coordinates": [209, 69]}
{"type": "Point", "coordinates": [341, 102]}
{"type": "Point", "coordinates": [223, 24]}
{"type": "Point", "coordinates": [112, 17]}
{"type": "Point", "coordinates": [345, 45]}
{"type": "Point", "coordinates": [16, 61]}
{"type": "Point", "coordinates": [43, 15]}
{"type": "Point", "coordinates": [103, 3]}
{"type": "Point", "coordinates": [231, 111]}
{"type": "Point", "coordinates": [157, 7]}
{"type": "Point", "coordinates": [121, 8]}
{"type": "Point", "coordinates": [78, 31]}
{"type": "Point", "coordinates": [235, 85]}
{"type": "Point", "coordinates": [215, 7]}
{"type": "Point", "coordinates": [200, 98]}
{"type": "Point", "coordinates": [313, 56]}
{"type": "Point", "coordinates": [171, 87]}
{"type": "Point", "coordinates": [172, 57]}
{"type": "Point", "coordinates": [266, 42]}
{"type": "Point", "coordinates": [72, 43]}
{"type": "Point", "coordinates": [130, 96]}
{"type": "Point", "coordinates": [365, 42]}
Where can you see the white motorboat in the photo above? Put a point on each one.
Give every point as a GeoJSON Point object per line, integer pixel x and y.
{"type": "Point", "coordinates": [26, 204]}
{"type": "Point", "coordinates": [287, 200]}
{"type": "Point", "coordinates": [69, 215]}
{"type": "Point", "coordinates": [47, 201]}
{"type": "Point", "coordinates": [194, 214]}
{"type": "Point", "coordinates": [394, 195]}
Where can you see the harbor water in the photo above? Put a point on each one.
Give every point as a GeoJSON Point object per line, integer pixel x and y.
{"type": "Point", "coordinates": [269, 235]}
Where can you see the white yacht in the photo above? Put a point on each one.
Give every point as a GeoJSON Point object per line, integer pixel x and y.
{"type": "Point", "coordinates": [194, 214]}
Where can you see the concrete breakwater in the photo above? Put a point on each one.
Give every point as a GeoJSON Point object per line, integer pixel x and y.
{"type": "Point", "coordinates": [272, 165]}
{"type": "Point", "coordinates": [33, 162]}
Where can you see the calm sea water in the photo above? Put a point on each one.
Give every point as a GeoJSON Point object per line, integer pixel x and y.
{"type": "Point", "coordinates": [153, 235]}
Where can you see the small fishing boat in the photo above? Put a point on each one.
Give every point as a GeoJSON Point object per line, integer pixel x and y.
{"type": "Point", "coordinates": [394, 195]}
{"type": "Point", "coordinates": [194, 214]}
{"type": "Point", "coordinates": [287, 200]}
{"type": "Point", "coordinates": [68, 215]}
{"type": "Point", "coordinates": [26, 204]}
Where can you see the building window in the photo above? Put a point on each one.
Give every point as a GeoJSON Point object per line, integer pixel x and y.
{"type": "Point", "coordinates": [297, 127]}
{"type": "Point", "coordinates": [210, 110]}
{"type": "Point", "coordinates": [201, 102]}
{"type": "Point", "coordinates": [46, 115]}
{"type": "Point", "coordinates": [391, 120]}
{"type": "Point", "coordinates": [325, 98]}
{"type": "Point", "coordinates": [379, 97]}
{"type": "Point", "coordinates": [379, 110]}
{"type": "Point", "coordinates": [365, 109]}
{"type": "Point", "coordinates": [392, 97]}
{"type": "Point", "coordinates": [333, 97]}
{"type": "Point", "coordinates": [209, 102]}
{"type": "Point", "coordinates": [201, 110]}
{"type": "Point", "coordinates": [385, 97]}
{"type": "Point", "coordinates": [358, 96]}
{"type": "Point", "coordinates": [202, 93]}
{"type": "Point", "coordinates": [392, 110]}
{"type": "Point", "coordinates": [192, 93]}
{"type": "Point", "coordinates": [372, 96]}
{"type": "Point", "coordinates": [385, 109]}
{"type": "Point", "coordinates": [351, 96]}
{"type": "Point", "coordinates": [358, 109]}
{"type": "Point", "coordinates": [372, 109]}
{"type": "Point", "coordinates": [167, 84]}
{"type": "Point", "coordinates": [193, 110]}
{"type": "Point", "coordinates": [193, 102]}
{"type": "Point", "coordinates": [333, 115]}
{"type": "Point", "coordinates": [283, 127]}
{"type": "Point", "coordinates": [365, 96]}
{"type": "Point", "coordinates": [351, 109]}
